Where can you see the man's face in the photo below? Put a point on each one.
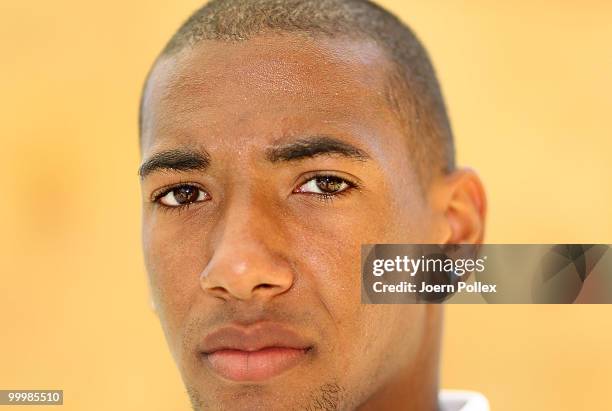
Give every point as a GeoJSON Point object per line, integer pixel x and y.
{"type": "Point", "coordinates": [272, 161]}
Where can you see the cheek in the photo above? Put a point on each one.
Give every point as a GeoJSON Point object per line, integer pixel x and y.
{"type": "Point", "coordinates": [384, 335]}
{"type": "Point", "coordinates": [174, 259]}
{"type": "Point", "coordinates": [329, 256]}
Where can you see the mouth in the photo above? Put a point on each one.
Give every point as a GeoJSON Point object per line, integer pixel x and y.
{"type": "Point", "coordinates": [260, 365]}
{"type": "Point", "coordinates": [254, 353]}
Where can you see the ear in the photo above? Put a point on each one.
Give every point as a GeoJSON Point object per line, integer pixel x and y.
{"type": "Point", "coordinates": [461, 200]}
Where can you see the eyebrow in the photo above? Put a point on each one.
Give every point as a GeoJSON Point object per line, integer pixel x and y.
{"type": "Point", "coordinates": [187, 160]}
{"type": "Point", "coordinates": [315, 146]}
{"type": "Point", "coordinates": [182, 160]}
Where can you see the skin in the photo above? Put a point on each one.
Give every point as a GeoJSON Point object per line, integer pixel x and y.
{"type": "Point", "coordinates": [263, 246]}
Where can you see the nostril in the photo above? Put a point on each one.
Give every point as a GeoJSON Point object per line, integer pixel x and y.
{"type": "Point", "coordinates": [264, 286]}
{"type": "Point", "coordinates": [218, 292]}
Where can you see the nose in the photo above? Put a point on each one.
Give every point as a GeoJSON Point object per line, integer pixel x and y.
{"type": "Point", "coordinates": [247, 261]}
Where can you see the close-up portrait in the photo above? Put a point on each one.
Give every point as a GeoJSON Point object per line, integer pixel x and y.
{"type": "Point", "coordinates": [306, 205]}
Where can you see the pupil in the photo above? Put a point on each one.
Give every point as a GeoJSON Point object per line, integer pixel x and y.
{"type": "Point", "coordinates": [185, 194]}
{"type": "Point", "coordinates": [329, 184]}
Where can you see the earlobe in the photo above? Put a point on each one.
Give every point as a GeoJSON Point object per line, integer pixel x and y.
{"type": "Point", "coordinates": [464, 207]}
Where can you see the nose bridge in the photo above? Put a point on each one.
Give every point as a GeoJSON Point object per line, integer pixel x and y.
{"type": "Point", "coordinates": [247, 223]}
{"type": "Point", "coordinates": [247, 261]}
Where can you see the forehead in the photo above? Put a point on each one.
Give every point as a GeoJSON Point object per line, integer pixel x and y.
{"type": "Point", "coordinates": [264, 89]}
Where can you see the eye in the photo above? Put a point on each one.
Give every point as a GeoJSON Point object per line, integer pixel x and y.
{"type": "Point", "coordinates": [181, 196]}
{"type": "Point", "coordinates": [325, 185]}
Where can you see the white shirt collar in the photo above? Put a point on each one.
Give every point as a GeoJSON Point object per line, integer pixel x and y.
{"type": "Point", "coordinates": [459, 400]}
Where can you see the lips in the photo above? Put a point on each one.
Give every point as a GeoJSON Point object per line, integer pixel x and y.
{"type": "Point", "coordinates": [254, 353]}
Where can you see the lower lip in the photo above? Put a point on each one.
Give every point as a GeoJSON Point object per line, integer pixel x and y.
{"type": "Point", "coordinates": [258, 365]}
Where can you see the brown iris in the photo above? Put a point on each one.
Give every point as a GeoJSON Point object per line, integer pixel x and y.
{"type": "Point", "coordinates": [329, 184]}
{"type": "Point", "coordinates": [186, 194]}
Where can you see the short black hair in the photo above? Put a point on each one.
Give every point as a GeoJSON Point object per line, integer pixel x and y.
{"type": "Point", "coordinates": [412, 90]}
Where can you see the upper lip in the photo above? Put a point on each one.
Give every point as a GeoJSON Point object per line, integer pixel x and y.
{"type": "Point", "coordinates": [253, 338]}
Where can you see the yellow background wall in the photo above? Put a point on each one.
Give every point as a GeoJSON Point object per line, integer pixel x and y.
{"type": "Point", "coordinates": [529, 88]}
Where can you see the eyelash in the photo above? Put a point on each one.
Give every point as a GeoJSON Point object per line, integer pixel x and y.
{"type": "Point", "coordinates": [159, 194]}
{"type": "Point", "coordinates": [324, 197]}
{"type": "Point", "coordinates": [328, 197]}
